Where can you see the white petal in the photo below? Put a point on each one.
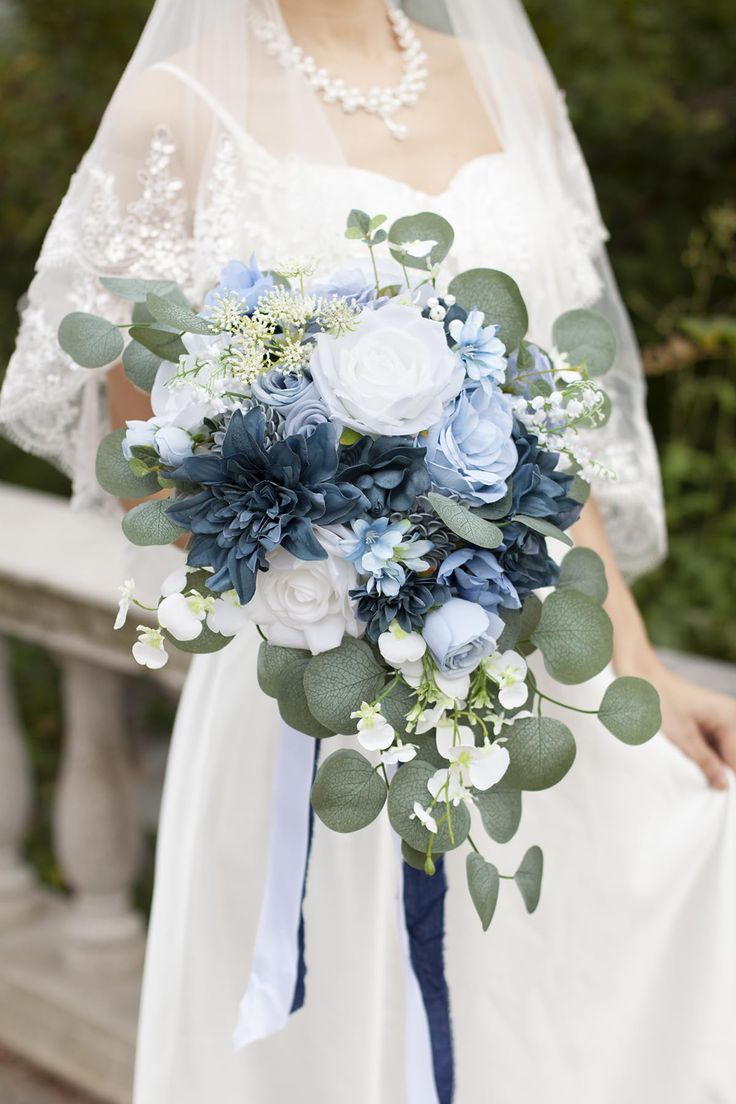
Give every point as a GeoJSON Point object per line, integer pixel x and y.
{"type": "Point", "coordinates": [175, 615]}
{"type": "Point", "coordinates": [456, 688]}
{"type": "Point", "coordinates": [123, 607]}
{"type": "Point", "coordinates": [437, 781]}
{"type": "Point", "coordinates": [174, 583]}
{"type": "Point", "coordinates": [489, 767]}
{"type": "Point", "coordinates": [227, 617]}
{"type": "Point", "coordinates": [511, 697]}
{"type": "Point", "coordinates": [148, 656]}
{"type": "Point", "coordinates": [376, 738]}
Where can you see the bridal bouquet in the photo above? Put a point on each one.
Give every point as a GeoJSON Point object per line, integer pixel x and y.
{"type": "Point", "coordinates": [370, 468]}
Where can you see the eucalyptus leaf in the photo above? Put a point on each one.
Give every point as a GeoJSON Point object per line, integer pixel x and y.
{"type": "Point", "coordinates": [413, 858]}
{"type": "Point", "coordinates": [347, 793]}
{"type": "Point", "coordinates": [339, 681]}
{"type": "Point", "coordinates": [500, 810]}
{"type": "Point", "coordinates": [483, 883]}
{"type": "Point", "coordinates": [574, 635]}
{"type": "Point", "coordinates": [115, 474]}
{"type": "Point", "coordinates": [541, 752]}
{"type": "Point", "coordinates": [135, 289]}
{"type": "Point", "coordinates": [149, 523]}
{"type": "Point", "coordinates": [358, 221]}
{"type": "Point", "coordinates": [582, 569]}
{"type": "Point", "coordinates": [529, 877]}
{"type": "Point", "coordinates": [511, 619]}
{"type": "Point", "coordinates": [498, 296]}
{"type": "Point", "coordinates": [396, 705]}
{"type": "Point", "coordinates": [91, 341]}
{"type": "Point", "coordinates": [541, 525]}
{"type": "Point", "coordinates": [172, 314]}
{"type": "Point", "coordinates": [466, 524]}
{"type": "Point", "coordinates": [579, 490]}
{"type": "Point", "coordinates": [161, 342]}
{"type": "Point", "coordinates": [494, 511]}
{"type": "Point", "coordinates": [423, 227]}
{"type": "Point", "coordinates": [588, 339]}
{"type": "Point", "coordinates": [207, 642]}
{"type": "Point", "coordinates": [141, 365]}
{"type": "Point", "coordinates": [531, 611]}
{"type": "Point", "coordinates": [276, 666]}
{"type": "Point", "coordinates": [631, 710]}
{"type": "Point", "coordinates": [408, 785]}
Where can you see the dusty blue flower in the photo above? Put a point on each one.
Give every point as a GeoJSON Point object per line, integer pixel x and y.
{"type": "Point", "coordinates": [409, 607]}
{"type": "Point", "coordinates": [476, 575]}
{"type": "Point", "coordinates": [482, 354]}
{"type": "Point", "coordinates": [390, 471]}
{"type": "Point", "coordinates": [257, 497]}
{"type": "Point", "coordinates": [535, 378]}
{"type": "Point", "coordinates": [306, 413]}
{"type": "Point", "coordinates": [471, 451]}
{"type": "Point", "coordinates": [460, 634]}
{"type": "Point", "coordinates": [348, 283]}
{"type": "Point", "coordinates": [279, 388]}
{"type": "Point", "coordinates": [246, 281]}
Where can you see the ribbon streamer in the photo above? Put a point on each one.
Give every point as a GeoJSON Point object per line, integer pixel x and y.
{"type": "Point", "coordinates": [276, 983]}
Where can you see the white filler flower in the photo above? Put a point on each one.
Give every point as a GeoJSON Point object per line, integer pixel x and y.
{"type": "Point", "coordinates": [391, 375]}
{"type": "Point", "coordinates": [398, 647]}
{"type": "Point", "coordinates": [374, 731]}
{"type": "Point", "coordinates": [149, 649]}
{"type": "Point", "coordinates": [305, 603]}
{"type": "Point", "coordinates": [509, 671]}
{"type": "Point", "coordinates": [126, 591]}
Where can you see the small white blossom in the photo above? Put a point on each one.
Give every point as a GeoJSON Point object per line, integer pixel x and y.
{"type": "Point", "coordinates": [398, 647]}
{"type": "Point", "coordinates": [480, 767]}
{"type": "Point", "coordinates": [183, 615]}
{"type": "Point", "coordinates": [398, 753]}
{"type": "Point", "coordinates": [374, 731]}
{"type": "Point", "coordinates": [174, 583]}
{"type": "Point", "coordinates": [149, 649]}
{"type": "Point", "coordinates": [126, 591]}
{"type": "Point", "coordinates": [508, 670]}
{"type": "Point", "coordinates": [416, 249]}
{"type": "Point", "coordinates": [424, 816]}
{"type": "Point", "coordinates": [227, 615]}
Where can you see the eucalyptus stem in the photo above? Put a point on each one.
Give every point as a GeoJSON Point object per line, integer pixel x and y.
{"type": "Point", "coordinates": [471, 841]}
{"type": "Point", "coordinates": [564, 705]}
{"type": "Point", "coordinates": [371, 247]}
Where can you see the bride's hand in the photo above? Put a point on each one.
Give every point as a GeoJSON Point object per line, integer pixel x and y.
{"type": "Point", "coordinates": [700, 722]}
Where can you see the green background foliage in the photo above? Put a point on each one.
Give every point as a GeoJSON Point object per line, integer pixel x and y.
{"type": "Point", "coordinates": [651, 92]}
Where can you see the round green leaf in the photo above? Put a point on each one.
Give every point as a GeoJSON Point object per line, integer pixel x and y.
{"type": "Point", "coordinates": [500, 811]}
{"type": "Point", "coordinates": [409, 784]}
{"type": "Point", "coordinates": [582, 570]}
{"type": "Point", "coordinates": [396, 706]}
{"type": "Point", "coordinates": [207, 641]}
{"type": "Point", "coordinates": [631, 710]}
{"type": "Point", "coordinates": [339, 681]}
{"type": "Point", "coordinates": [173, 314]}
{"type": "Point", "coordinates": [529, 877]}
{"type": "Point", "coordinates": [141, 365]}
{"type": "Point", "coordinates": [276, 666]}
{"type": "Point", "coordinates": [462, 521]}
{"type": "Point", "coordinates": [89, 340]}
{"type": "Point", "coordinates": [541, 752]}
{"type": "Point", "coordinates": [498, 296]}
{"type": "Point", "coordinates": [588, 339]}
{"type": "Point", "coordinates": [149, 523]}
{"type": "Point", "coordinates": [135, 289]}
{"type": "Point", "coordinates": [483, 883]}
{"type": "Point", "coordinates": [347, 793]}
{"type": "Point", "coordinates": [414, 858]}
{"type": "Point", "coordinates": [114, 472]}
{"type": "Point", "coordinates": [574, 636]}
{"type": "Point", "coordinates": [163, 343]}
{"type": "Point", "coordinates": [425, 227]}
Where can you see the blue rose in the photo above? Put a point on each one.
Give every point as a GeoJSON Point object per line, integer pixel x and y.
{"type": "Point", "coordinates": [279, 388]}
{"type": "Point", "coordinates": [476, 575]}
{"type": "Point", "coordinates": [471, 451]}
{"type": "Point", "coordinates": [305, 413]}
{"type": "Point", "coordinates": [348, 283]}
{"type": "Point", "coordinates": [246, 281]}
{"type": "Point", "coordinates": [460, 634]}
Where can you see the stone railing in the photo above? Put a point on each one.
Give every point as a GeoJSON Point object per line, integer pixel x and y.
{"type": "Point", "coordinates": [70, 965]}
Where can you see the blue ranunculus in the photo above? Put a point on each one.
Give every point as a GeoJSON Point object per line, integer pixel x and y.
{"type": "Point", "coordinates": [244, 280]}
{"type": "Point", "coordinates": [482, 353]}
{"type": "Point", "coordinates": [257, 497]}
{"type": "Point", "coordinates": [305, 413]}
{"type": "Point", "coordinates": [471, 451]}
{"type": "Point", "coordinates": [279, 388]}
{"type": "Point", "coordinates": [476, 575]}
{"type": "Point", "coordinates": [460, 634]}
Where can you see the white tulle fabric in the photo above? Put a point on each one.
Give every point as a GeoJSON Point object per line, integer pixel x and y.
{"type": "Point", "coordinates": [209, 150]}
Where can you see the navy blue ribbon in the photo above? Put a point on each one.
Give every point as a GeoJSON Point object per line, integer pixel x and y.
{"type": "Point", "coordinates": [424, 912]}
{"type": "Point", "coordinates": [300, 984]}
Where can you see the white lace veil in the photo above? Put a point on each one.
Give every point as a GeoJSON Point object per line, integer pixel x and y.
{"type": "Point", "coordinates": [154, 197]}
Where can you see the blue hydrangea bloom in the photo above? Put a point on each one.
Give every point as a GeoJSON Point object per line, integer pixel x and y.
{"type": "Point", "coordinates": [244, 280]}
{"type": "Point", "coordinates": [279, 388]}
{"type": "Point", "coordinates": [482, 353]}
{"type": "Point", "coordinates": [471, 451]}
{"type": "Point", "coordinates": [257, 497]}
{"type": "Point", "coordinates": [476, 575]}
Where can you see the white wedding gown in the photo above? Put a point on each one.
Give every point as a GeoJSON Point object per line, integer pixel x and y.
{"type": "Point", "coordinates": [620, 988]}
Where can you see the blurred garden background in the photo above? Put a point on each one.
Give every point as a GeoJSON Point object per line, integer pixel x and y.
{"type": "Point", "coordinates": [652, 91]}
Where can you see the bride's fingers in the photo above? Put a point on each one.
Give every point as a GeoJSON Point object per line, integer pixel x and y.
{"type": "Point", "coordinates": [721, 726]}
{"type": "Point", "coordinates": [693, 743]}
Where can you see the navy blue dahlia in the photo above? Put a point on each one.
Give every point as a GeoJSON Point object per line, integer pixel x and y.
{"type": "Point", "coordinates": [258, 496]}
{"type": "Point", "coordinates": [390, 471]}
{"type": "Point", "coordinates": [418, 595]}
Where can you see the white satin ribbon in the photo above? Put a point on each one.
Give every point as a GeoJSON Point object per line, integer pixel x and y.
{"type": "Point", "coordinates": [266, 1004]}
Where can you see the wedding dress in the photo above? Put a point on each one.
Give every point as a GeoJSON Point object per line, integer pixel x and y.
{"type": "Point", "coordinates": [622, 986]}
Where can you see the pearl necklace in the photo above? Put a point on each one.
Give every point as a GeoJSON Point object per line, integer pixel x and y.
{"type": "Point", "coordinates": [383, 102]}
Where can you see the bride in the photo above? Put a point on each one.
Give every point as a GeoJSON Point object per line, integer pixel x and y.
{"type": "Point", "coordinates": [226, 137]}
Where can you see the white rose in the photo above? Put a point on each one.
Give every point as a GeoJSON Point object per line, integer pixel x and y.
{"type": "Point", "coordinates": [305, 603]}
{"type": "Point", "coordinates": [173, 445]}
{"type": "Point", "coordinates": [391, 375]}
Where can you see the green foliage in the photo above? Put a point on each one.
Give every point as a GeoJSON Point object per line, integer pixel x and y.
{"type": "Point", "coordinates": [339, 681]}
{"type": "Point", "coordinates": [468, 525]}
{"type": "Point", "coordinates": [164, 343]}
{"type": "Point", "coordinates": [483, 883]}
{"type": "Point", "coordinates": [91, 341]}
{"type": "Point", "coordinates": [281, 676]}
{"type": "Point", "coordinates": [114, 472]}
{"type": "Point", "coordinates": [498, 296]}
{"type": "Point", "coordinates": [149, 523]}
{"type": "Point", "coordinates": [424, 227]}
{"type": "Point", "coordinates": [541, 750]}
{"type": "Point", "coordinates": [574, 636]}
{"type": "Point", "coordinates": [582, 569]}
{"type": "Point", "coordinates": [207, 641]}
{"type": "Point", "coordinates": [141, 365]}
{"type": "Point", "coordinates": [587, 338]}
{"type": "Point", "coordinates": [173, 314]}
{"type": "Point", "coordinates": [348, 793]}
{"type": "Point", "coordinates": [541, 525]}
{"type": "Point", "coordinates": [500, 810]}
{"type": "Point", "coordinates": [529, 878]}
{"type": "Point", "coordinates": [630, 710]}
{"type": "Point", "coordinates": [408, 785]}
